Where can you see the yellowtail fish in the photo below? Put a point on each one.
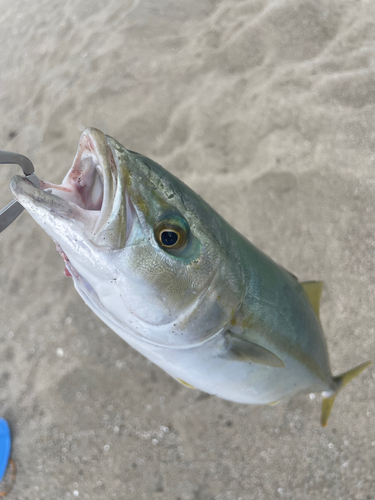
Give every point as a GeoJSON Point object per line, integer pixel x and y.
{"type": "Point", "coordinates": [161, 268]}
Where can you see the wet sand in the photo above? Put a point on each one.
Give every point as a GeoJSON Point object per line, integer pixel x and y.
{"type": "Point", "coordinates": [267, 110]}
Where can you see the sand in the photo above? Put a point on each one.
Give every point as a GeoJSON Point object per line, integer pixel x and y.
{"type": "Point", "coordinates": [266, 109]}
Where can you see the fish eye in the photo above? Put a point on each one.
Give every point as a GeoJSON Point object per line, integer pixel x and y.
{"type": "Point", "coordinates": [169, 238]}
{"type": "Point", "coordinates": [172, 234]}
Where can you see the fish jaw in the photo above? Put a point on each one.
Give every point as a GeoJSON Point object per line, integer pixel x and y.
{"type": "Point", "coordinates": [61, 219]}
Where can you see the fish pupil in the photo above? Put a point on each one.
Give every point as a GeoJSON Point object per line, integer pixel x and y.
{"type": "Point", "coordinates": [169, 238]}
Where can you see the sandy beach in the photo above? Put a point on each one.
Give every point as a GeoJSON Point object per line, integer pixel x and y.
{"type": "Point", "coordinates": [267, 110]}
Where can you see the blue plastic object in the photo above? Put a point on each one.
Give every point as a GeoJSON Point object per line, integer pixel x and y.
{"type": "Point", "coordinates": [4, 446]}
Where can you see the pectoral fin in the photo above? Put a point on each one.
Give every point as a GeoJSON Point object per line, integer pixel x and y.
{"type": "Point", "coordinates": [313, 290]}
{"type": "Point", "coordinates": [246, 350]}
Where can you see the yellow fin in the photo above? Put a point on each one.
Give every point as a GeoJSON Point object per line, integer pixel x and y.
{"type": "Point", "coordinates": [342, 380]}
{"type": "Point", "coordinates": [185, 383]}
{"type": "Point", "coordinates": [274, 403]}
{"type": "Point", "coordinates": [313, 290]}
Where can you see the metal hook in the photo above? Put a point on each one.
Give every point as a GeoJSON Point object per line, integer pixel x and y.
{"type": "Point", "coordinates": [10, 213]}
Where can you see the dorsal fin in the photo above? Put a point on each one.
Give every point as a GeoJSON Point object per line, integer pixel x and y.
{"type": "Point", "coordinates": [313, 290]}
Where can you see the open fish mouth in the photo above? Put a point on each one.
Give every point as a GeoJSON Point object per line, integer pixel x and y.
{"type": "Point", "coordinates": [91, 193]}
{"type": "Point", "coordinates": [91, 181]}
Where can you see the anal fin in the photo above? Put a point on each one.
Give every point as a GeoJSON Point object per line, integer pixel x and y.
{"type": "Point", "coordinates": [185, 383]}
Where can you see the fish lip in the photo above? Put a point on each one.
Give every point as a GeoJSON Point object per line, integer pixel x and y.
{"type": "Point", "coordinates": [67, 200]}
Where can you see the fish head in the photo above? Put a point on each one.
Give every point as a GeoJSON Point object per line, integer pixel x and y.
{"type": "Point", "coordinates": [146, 253]}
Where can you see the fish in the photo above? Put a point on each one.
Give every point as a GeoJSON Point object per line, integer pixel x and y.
{"type": "Point", "coordinates": [167, 273]}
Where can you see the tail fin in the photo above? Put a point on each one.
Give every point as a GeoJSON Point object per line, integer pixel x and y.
{"type": "Point", "coordinates": [341, 380]}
